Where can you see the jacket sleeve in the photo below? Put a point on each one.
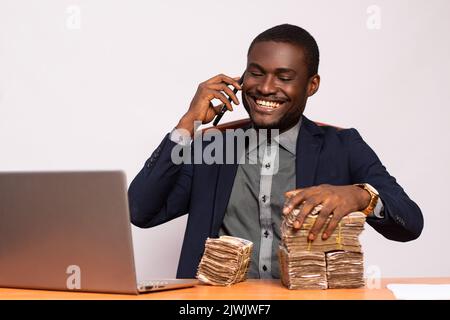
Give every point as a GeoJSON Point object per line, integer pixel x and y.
{"type": "Point", "coordinates": [403, 220]}
{"type": "Point", "coordinates": [161, 190]}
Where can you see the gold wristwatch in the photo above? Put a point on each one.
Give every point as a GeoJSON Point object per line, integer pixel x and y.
{"type": "Point", "coordinates": [374, 196]}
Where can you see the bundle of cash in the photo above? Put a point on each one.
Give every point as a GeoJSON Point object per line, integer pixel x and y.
{"type": "Point", "coordinates": [302, 269]}
{"type": "Point", "coordinates": [345, 269]}
{"type": "Point", "coordinates": [225, 261]}
{"type": "Point", "coordinates": [336, 262]}
{"type": "Point", "coordinates": [345, 237]}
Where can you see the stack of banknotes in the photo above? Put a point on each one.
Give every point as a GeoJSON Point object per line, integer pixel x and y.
{"type": "Point", "coordinates": [336, 262]}
{"type": "Point", "coordinates": [345, 269]}
{"type": "Point", "coordinates": [225, 261]}
{"type": "Point", "coordinates": [302, 269]}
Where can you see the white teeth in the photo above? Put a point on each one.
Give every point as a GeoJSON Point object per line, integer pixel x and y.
{"type": "Point", "coordinates": [269, 104]}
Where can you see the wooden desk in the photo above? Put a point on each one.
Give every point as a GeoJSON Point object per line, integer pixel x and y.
{"type": "Point", "coordinates": [251, 289]}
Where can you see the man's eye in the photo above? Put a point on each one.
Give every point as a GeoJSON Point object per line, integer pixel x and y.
{"type": "Point", "coordinates": [256, 74]}
{"type": "Point", "coordinates": [285, 79]}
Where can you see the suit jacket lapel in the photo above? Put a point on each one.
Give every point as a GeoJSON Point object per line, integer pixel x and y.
{"type": "Point", "coordinates": [224, 186]}
{"type": "Point", "coordinates": [225, 180]}
{"type": "Point", "coordinates": [309, 144]}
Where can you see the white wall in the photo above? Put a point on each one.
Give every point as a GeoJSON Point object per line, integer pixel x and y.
{"type": "Point", "coordinates": [102, 96]}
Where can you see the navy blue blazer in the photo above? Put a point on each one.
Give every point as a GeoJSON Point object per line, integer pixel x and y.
{"type": "Point", "coordinates": [163, 191]}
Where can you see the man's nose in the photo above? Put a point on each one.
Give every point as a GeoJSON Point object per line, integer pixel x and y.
{"type": "Point", "coordinates": [267, 85]}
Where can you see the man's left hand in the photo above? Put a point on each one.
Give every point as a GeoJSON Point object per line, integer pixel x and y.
{"type": "Point", "coordinates": [338, 200]}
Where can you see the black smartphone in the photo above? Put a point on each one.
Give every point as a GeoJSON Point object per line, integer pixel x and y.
{"type": "Point", "coordinates": [224, 108]}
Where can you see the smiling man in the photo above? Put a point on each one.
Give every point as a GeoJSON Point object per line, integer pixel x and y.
{"type": "Point", "coordinates": [319, 168]}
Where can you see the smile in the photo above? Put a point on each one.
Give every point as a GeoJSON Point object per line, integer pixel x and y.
{"type": "Point", "coordinates": [268, 104]}
{"type": "Point", "coordinates": [265, 106]}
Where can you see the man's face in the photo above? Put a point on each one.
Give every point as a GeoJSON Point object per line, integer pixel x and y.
{"type": "Point", "coordinates": [276, 85]}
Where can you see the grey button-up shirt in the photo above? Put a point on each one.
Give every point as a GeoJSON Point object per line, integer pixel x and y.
{"type": "Point", "coordinates": [257, 198]}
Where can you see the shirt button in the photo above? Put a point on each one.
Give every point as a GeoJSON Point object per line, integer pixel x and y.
{"type": "Point", "coordinates": [267, 165]}
{"type": "Point", "coordinates": [266, 234]}
{"type": "Point", "coordinates": [263, 198]}
{"type": "Point", "coordinates": [264, 268]}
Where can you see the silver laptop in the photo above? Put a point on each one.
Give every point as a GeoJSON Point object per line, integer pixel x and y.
{"type": "Point", "coordinates": [69, 231]}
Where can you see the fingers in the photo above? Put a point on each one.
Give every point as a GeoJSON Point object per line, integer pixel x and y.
{"type": "Point", "coordinates": [296, 197]}
{"type": "Point", "coordinates": [320, 221]}
{"type": "Point", "coordinates": [292, 193]}
{"type": "Point", "coordinates": [305, 209]}
{"type": "Point", "coordinates": [332, 200]}
{"type": "Point", "coordinates": [334, 221]}
{"type": "Point", "coordinates": [217, 108]}
{"type": "Point", "coordinates": [218, 95]}
{"type": "Point", "coordinates": [226, 89]}
{"type": "Point", "coordinates": [292, 201]}
{"type": "Point", "coordinates": [214, 110]}
{"type": "Point", "coordinates": [219, 84]}
{"type": "Point", "coordinates": [221, 78]}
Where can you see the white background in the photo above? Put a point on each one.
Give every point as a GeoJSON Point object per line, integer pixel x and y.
{"type": "Point", "coordinates": [103, 95]}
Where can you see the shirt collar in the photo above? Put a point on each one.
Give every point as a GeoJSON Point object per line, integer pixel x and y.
{"type": "Point", "coordinates": [287, 139]}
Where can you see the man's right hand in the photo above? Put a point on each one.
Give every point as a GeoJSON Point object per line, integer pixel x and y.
{"type": "Point", "coordinates": [201, 107]}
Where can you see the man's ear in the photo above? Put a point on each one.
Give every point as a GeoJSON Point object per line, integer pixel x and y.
{"type": "Point", "coordinates": [313, 84]}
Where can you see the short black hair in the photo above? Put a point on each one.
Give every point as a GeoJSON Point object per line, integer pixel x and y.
{"type": "Point", "coordinates": [297, 36]}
